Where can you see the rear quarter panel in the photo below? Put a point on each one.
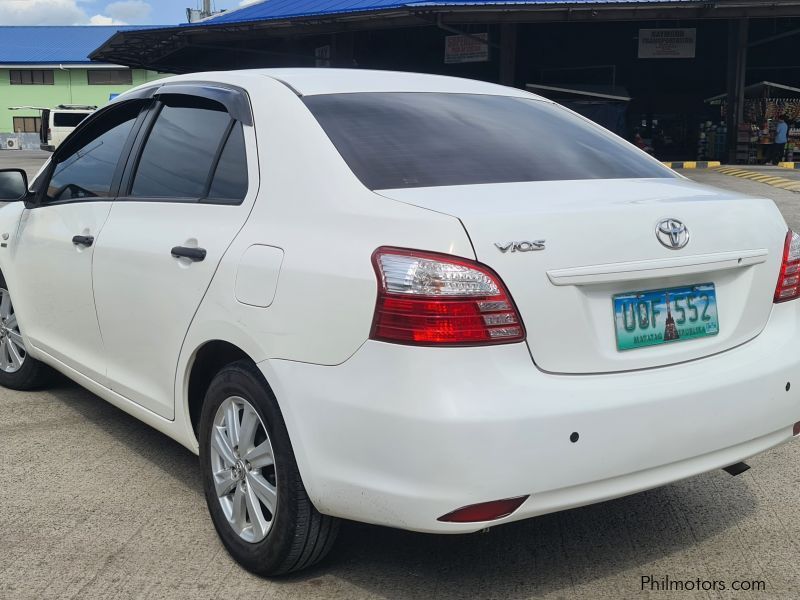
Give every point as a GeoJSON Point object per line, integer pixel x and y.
{"type": "Point", "coordinates": [327, 224]}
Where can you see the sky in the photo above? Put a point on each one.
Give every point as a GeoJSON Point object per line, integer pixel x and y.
{"type": "Point", "coordinates": [102, 12]}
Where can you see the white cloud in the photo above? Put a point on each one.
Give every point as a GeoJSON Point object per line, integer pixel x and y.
{"type": "Point", "coordinates": [57, 12]}
{"type": "Point", "coordinates": [130, 11]}
{"type": "Point", "coordinates": [104, 20]}
{"type": "Point", "coordinates": [42, 12]}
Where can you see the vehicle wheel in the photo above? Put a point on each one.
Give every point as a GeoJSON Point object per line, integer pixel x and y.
{"type": "Point", "coordinates": [18, 371]}
{"type": "Point", "coordinates": [253, 489]}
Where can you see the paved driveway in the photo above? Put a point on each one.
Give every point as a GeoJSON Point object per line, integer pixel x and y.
{"type": "Point", "coordinates": [29, 160]}
{"type": "Point", "coordinates": [93, 504]}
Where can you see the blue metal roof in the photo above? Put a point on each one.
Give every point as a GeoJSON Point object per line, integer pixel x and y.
{"type": "Point", "coordinates": [53, 45]}
{"type": "Point", "coordinates": [287, 9]}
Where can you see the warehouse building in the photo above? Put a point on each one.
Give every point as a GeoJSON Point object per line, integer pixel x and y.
{"type": "Point", "coordinates": [50, 66]}
{"type": "Point", "coordinates": [640, 67]}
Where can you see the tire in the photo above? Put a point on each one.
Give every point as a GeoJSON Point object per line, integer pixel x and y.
{"type": "Point", "coordinates": [297, 535]}
{"type": "Point", "coordinates": [18, 370]}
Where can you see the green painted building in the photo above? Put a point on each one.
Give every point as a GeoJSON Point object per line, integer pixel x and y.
{"type": "Point", "coordinates": [49, 66]}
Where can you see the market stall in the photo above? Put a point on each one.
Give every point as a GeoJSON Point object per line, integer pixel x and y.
{"type": "Point", "coordinates": [765, 102]}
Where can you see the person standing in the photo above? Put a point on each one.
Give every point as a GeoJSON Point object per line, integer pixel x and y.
{"type": "Point", "coordinates": [781, 139]}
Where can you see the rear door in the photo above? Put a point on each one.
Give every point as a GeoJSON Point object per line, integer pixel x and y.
{"type": "Point", "coordinates": [44, 128]}
{"type": "Point", "coordinates": [186, 195]}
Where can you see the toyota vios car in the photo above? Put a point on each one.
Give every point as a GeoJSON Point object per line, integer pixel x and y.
{"type": "Point", "coordinates": [416, 301]}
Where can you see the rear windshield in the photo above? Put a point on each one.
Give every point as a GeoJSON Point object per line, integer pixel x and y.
{"type": "Point", "coordinates": [68, 119]}
{"type": "Point", "coordinates": [402, 140]}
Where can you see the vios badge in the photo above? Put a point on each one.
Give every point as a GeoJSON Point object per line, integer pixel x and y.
{"type": "Point", "coordinates": [524, 246]}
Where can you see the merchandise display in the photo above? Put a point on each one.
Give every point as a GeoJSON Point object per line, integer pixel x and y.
{"type": "Point", "coordinates": [755, 141]}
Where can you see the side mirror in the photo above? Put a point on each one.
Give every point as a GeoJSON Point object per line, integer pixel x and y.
{"type": "Point", "coordinates": [13, 185]}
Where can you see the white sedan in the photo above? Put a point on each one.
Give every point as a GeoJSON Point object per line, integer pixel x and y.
{"type": "Point", "coordinates": [417, 301]}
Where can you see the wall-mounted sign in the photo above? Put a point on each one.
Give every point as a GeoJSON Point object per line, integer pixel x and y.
{"type": "Point", "coordinates": [466, 48]}
{"type": "Point", "coordinates": [667, 43]}
{"type": "Point", "coordinates": [323, 56]}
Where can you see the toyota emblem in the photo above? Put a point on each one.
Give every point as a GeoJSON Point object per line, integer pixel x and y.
{"type": "Point", "coordinates": [672, 234]}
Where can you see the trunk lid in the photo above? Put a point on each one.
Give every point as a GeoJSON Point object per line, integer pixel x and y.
{"type": "Point", "coordinates": [600, 241]}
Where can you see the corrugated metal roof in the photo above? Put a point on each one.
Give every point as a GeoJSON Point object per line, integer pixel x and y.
{"type": "Point", "coordinates": [288, 9]}
{"type": "Point", "coordinates": [53, 45]}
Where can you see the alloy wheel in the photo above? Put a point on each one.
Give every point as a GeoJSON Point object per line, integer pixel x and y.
{"type": "Point", "coordinates": [243, 468]}
{"type": "Point", "coordinates": [12, 348]}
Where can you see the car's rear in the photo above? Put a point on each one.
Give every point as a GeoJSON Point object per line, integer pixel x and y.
{"type": "Point", "coordinates": [616, 328]}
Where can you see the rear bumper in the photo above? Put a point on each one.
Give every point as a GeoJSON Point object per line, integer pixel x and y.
{"type": "Point", "coordinates": [399, 436]}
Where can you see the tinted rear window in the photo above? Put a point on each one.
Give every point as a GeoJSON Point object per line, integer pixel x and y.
{"type": "Point", "coordinates": [68, 119]}
{"type": "Point", "coordinates": [229, 185]}
{"type": "Point", "coordinates": [180, 151]}
{"type": "Point", "coordinates": [401, 140]}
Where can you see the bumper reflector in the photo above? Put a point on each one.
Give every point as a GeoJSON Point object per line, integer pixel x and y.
{"type": "Point", "coordinates": [485, 511]}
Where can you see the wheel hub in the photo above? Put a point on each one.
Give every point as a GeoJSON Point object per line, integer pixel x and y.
{"type": "Point", "coordinates": [239, 470]}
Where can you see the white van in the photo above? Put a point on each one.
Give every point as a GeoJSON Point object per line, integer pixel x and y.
{"type": "Point", "coordinates": [59, 122]}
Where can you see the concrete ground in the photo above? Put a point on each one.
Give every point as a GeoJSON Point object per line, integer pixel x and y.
{"type": "Point", "coordinates": [94, 504]}
{"type": "Point", "coordinates": [29, 160]}
{"type": "Point", "coordinates": [788, 202]}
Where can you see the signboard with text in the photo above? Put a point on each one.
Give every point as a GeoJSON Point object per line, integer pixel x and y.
{"type": "Point", "coordinates": [667, 43]}
{"type": "Point", "coordinates": [466, 48]}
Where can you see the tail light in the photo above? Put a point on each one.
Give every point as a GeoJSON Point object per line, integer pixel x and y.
{"type": "Point", "coordinates": [425, 298]}
{"type": "Point", "coordinates": [789, 280]}
{"type": "Point", "coordinates": [49, 134]}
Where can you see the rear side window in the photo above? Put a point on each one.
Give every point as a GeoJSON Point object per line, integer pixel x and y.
{"type": "Point", "coordinates": [68, 119]}
{"type": "Point", "coordinates": [195, 151]}
{"type": "Point", "coordinates": [401, 140]}
{"type": "Point", "coordinates": [229, 184]}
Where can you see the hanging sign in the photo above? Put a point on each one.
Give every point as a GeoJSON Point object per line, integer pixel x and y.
{"type": "Point", "coordinates": [466, 48]}
{"type": "Point", "coordinates": [667, 43]}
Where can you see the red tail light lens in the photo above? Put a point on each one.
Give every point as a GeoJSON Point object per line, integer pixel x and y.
{"type": "Point", "coordinates": [425, 298]}
{"type": "Point", "coordinates": [789, 279]}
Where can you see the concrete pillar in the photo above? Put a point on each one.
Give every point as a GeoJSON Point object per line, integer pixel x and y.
{"type": "Point", "coordinates": [342, 50]}
{"type": "Point", "coordinates": [508, 53]}
{"type": "Point", "coordinates": [737, 68]}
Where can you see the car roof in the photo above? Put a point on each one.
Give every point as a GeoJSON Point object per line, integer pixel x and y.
{"type": "Point", "coordinates": [311, 82]}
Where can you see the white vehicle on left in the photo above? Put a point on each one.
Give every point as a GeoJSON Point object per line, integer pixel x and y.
{"type": "Point", "coordinates": [58, 122]}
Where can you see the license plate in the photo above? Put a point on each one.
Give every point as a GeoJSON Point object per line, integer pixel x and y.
{"type": "Point", "coordinates": [657, 317]}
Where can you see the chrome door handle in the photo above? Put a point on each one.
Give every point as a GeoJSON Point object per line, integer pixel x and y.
{"type": "Point", "coordinates": [193, 254]}
{"type": "Point", "coordinates": [83, 240]}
